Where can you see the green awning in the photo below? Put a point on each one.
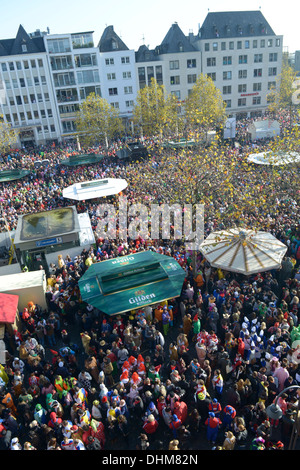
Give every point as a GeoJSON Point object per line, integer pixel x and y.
{"type": "Point", "coordinates": [182, 143]}
{"type": "Point", "coordinates": [11, 175]}
{"type": "Point", "coordinates": [82, 159]}
{"type": "Point", "coordinates": [129, 282]}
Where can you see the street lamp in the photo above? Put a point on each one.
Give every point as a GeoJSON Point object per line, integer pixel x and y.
{"type": "Point", "coordinates": [275, 412]}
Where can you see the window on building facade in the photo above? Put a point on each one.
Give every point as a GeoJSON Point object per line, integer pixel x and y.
{"type": "Point", "coordinates": [231, 45]}
{"type": "Point", "coordinates": [88, 76]}
{"type": "Point", "coordinates": [176, 93]}
{"type": "Point", "coordinates": [227, 75]}
{"type": "Point", "coordinates": [242, 74]}
{"type": "Point", "coordinates": [211, 62]}
{"type": "Point", "coordinates": [18, 65]}
{"type": "Point", "coordinates": [109, 61]}
{"type": "Point", "coordinates": [239, 45]}
{"type": "Point", "coordinates": [242, 102]}
{"type": "Point", "coordinates": [223, 46]}
{"type": "Point", "coordinates": [111, 76]}
{"type": "Point", "coordinates": [277, 42]}
{"type": "Point", "coordinates": [227, 60]}
{"type": "Point", "coordinates": [257, 73]}
{"type": "Point", "coordinates": [115, 104]}
{"type": "Point", "coordinates": [215, 46]}
{"type": "Point", "coordinates": [257, 86]}
{"type": "Point", "coordinates": [85, 60]}
{"type": "Point", "coordinates": [192, 78]}
{"type": "Point", "coordinates": [262, 43]}
{"type": "Point", "coordinates": [258, 58]}
{"type": "Point", "coordinates": [243, 59]}
{"type": "Point", "coordinates": [4, 67]}
{"type": "Point", "coordinates": [254, 44]}
{"type": "Point", "coordinates": [227, 90]}
{"type": "Point", "coordinates": [125, 60]}
{"type": "Point", "coordinates": [112, 91]}
{"type": "Point", "coordinates": [58, 45]}
{"type": "Point", "coordinates": [272, 71]}
{"type": "Point", "coordinates": [270, 42]}
{"type": "Point", "coordinates": [247, 44]}
{"type": "Point", "coordinates": [174, 64]}
{"type": "Point", "coordinates": [129, 103]}
{"type": "Point", "coordinates": [213, 76]}
{"type": "Point", "coordinates": [191, 63]}
{"type": "Point", "coordinates": [175, 80]}
{"type": "Point", "coordinates": [271, 85]}
{"type": "Point", "coordinates": [273, 57]}
{"type": "Point", "coordinates": [256, 100]}
{"type": "Point", "coordinates": [228, 103]}
{"type": "Point", "coordinates": [128, 90]}
{"type": "Point", "coordinates": [242, 88]}
{"type": "Point", "coordinates": [126, 75]}
{"type": "Point", "coordinates": [206, 46]}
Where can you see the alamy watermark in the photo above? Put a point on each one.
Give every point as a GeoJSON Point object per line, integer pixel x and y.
{"type": "Point", "coordinates": [152, 222]}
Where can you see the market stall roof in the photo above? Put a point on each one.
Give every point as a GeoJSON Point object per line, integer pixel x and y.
{"type": "Point", "coordinates": [243, 251]}
{"type": "Point", "coordinates": [129, 282]}
{"type": "Point", "coordinates": [82, 159]}
{"type": "Point", "coordinates": [94, 189]}
{"type": "Point", "coordinates": [274, 158]}
{"type": "Point", "coordinates": [182, 143]}
{"type": "Point", "coordinates": [8, 307]}
{"type": "Point", "coordinates": [11, 175]}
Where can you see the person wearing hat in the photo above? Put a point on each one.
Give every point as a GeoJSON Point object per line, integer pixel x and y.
{"type": "Point", "coordinates": [212, 424]}
{"type": "Point", "coordinates": [150, 425]}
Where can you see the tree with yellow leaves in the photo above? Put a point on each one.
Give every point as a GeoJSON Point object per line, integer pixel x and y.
{"type": "Point", "coordinates": [8, 135]}
{"type": "Point", "coordinates": [155, 113]}
{"type": "Point", "coordinates": [281, 95]}
{"type": "Point", "coordinates": [204, 108]}
{"type": "Point", "coordinates": [97, 121]}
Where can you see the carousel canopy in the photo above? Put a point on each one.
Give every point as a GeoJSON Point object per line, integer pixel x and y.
{"type": "Point", "coordinates": [94, 189]}
{"type": "Point", "coordinates": [275, 159]}
{"type": "Point", "coordinates": [243, 251]}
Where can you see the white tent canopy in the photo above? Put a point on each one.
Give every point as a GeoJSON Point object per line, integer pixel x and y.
{"type": "Point", "coordinates": [272, 158]}
{"type": "Point", "coordinates": [243, 251]}
{"type": "Point", "coordinates": [94, 189]}
{"type": "Point", "coordinates": [263, 129]}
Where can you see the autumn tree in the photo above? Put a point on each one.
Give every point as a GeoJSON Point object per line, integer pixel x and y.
{"type": "Point", "coordinates": [8, 135]}
{"type": "Point", "coordinates": [155, 113]}
{"type": "Point", "coordinates": [281, 94]}
{"type": "Point", "coordinates": [204, 108]}
{"type": "Point", "coordinates": [97, 121]}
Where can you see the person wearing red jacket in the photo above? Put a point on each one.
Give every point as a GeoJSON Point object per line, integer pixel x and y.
{"type": "Point", "coordinates": [213, 424]}
{"type": "Point", "coordinates": [150, 425]}
{"type": "Point", "coordinates": [215, 407]}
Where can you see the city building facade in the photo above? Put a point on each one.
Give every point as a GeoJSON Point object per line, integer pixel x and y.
{"type": "Point", "coordinates": [44, 77]}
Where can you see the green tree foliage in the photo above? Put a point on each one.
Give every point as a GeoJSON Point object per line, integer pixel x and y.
{"type": "Point", "coordinates": [280, 95]}
{"type": "Point", "coordinates": [97, 121]}
{"type": "Point", "coordinates": [155, 113]}
{"type": "Point", "coordinates": [204, 108]}
{"type": "Point", "coordinates": [8, 135]}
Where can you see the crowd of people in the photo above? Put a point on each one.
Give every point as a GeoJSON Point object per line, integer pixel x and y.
{"type": "Point", "coordinates": [194, 372]}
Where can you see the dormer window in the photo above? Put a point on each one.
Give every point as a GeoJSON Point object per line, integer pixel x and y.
{"type": "Point", "coordinates": [114, 45]}
{"type": "Point", "coordinates": [240, 30]}
{"type": "Point", "coordinates": [24, 48]}
{"type": "Point", "coordinates": [180, 46]}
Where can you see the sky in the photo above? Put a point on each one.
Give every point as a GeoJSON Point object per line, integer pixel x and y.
{"type": "Point", "coordinates": [139, 22]}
